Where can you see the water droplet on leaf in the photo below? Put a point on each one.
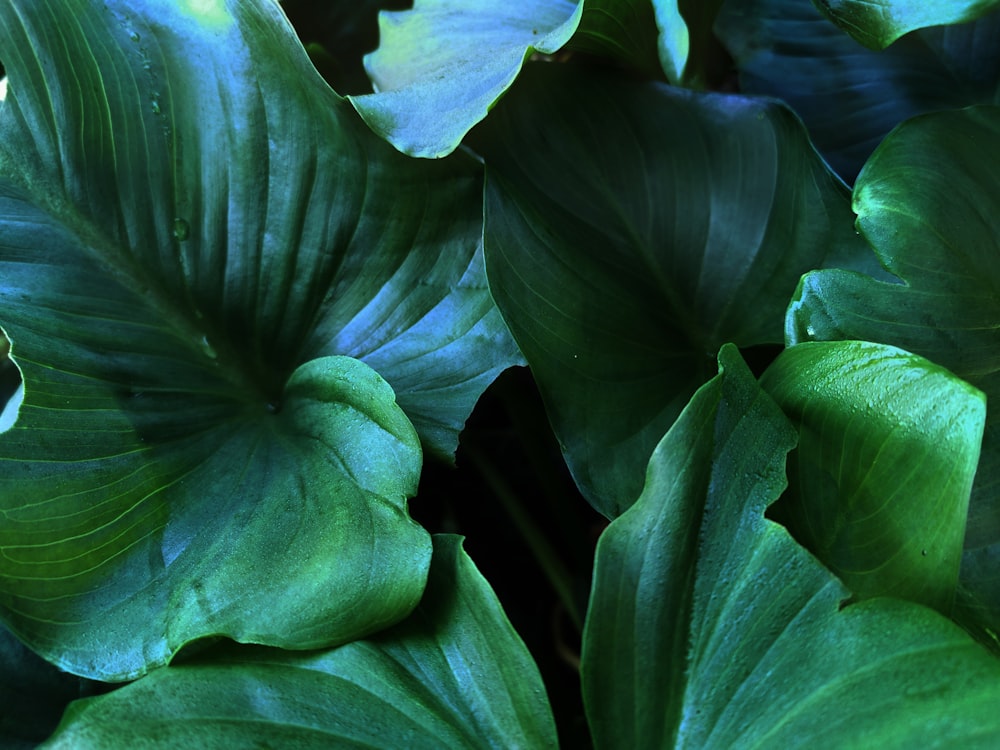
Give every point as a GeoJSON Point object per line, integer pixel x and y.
{"type": "Point", "coordinates": [182, 230]}
{"type": "Point", "coordinates": [206, 348]}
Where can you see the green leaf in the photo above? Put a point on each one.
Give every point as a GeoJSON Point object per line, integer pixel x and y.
{"type": "Point", "coordinates": [880, 482]}
{"type": "Point", "coordinates": [631, 230]}
{"type": "Point", "coordinates": [455, 675]}
{"type": "Point", "coordinates": [878, 23]}
{"type": "Point", "coordinates": [927, 203]}
{"type": "Point", "coordinates": [851, 97]}
{"type": "Point", "coordinates": [196, 238]}
{"type": "Point", "coordinates": [710, 627]}
{"type": "Point", "coordinates": [33, 694]}
{"type": "Point", "coordinates": [441, 66]}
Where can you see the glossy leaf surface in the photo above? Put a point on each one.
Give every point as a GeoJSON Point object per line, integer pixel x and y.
{"type": "Point", "coordinates": [454, 674]}
{"type": "Point", "coordinates": [927, 203]}
{"type": "Point", "coordinates": [878, 23]}
{"type": "Point", "coordinates": [880, 482]}
{"type": "Point", "coordinates": [631, 229]}
{"type": "Point", "coordinates": [710, 627]}
{"type": "Point", "coordinates": [209, 270]}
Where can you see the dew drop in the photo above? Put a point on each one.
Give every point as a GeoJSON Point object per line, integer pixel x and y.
{"type": "Point", "coordinates": [155, 104]}
{"type": "Point", "coordinates": [206, 348]}
{"type": "Point", "coordinates": [181, 230]}
{"type": "Point", "coordinates": [134, 36]}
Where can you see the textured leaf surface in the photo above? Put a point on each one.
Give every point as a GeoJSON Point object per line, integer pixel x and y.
{"type": "Point", "coordinates": [927, 202]}
{"type": "Point", "coordinates": [203, 255]}
{"type": "Point", "coordinates": [631, 230]}
{"type": "Point", "coordinates": [880, 482]}
{"type": "Point", "coordinates": [453, 675]}
{"type": "Point", "coordinates": [710, 627]}
{"type": "Point", "coordinates": [878, 23]}
{"type": "Point", "coordinates": [850, 97]}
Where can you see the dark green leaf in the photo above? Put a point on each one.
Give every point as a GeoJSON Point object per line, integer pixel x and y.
{"type": "Point", "coordinates": [631, 230]}
{"type": "Point", "coordinates": [878, 23]}
{"type": "Point", "coordinates": [194, 232]}
{"type": "Point", "coordinates": [851, 97]}
{"type": "Point", "coordinates": [880, 483]}
{"type": "Point", "coordinates": [710, 627]}
{"type": "Point", "coordinates": [927, 202]}
{"type": "Point", "coordinates": [453, 675]}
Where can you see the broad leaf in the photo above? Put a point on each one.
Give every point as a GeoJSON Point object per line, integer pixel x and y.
{"type": "Point", "coordinates": [927, 202]}
{"type": "Point", "coordinates": [710, 627]}
{"type": "Point", "coordinates": [455, 675]}
{"type": "Point", "coordinates": [196, 238]}
{"type": "Point", "coordinates": [878, 23]}
{"type": "Point", "coordinates": [631, 229]}
{"type": "Point", "coordinates": [440, 67]}
{"type": "Point", "coordinates": [880, 482]}
{"type": "Point", "coordinates": [851, 97]}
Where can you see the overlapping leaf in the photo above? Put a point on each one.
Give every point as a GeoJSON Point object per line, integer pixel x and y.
{"type": "Point", "coordinates": [880, 482]}
{"type": "Point", "coordinates": [632, 229]}
{"type": "Point", "coordinates": [879, 23]}
{"type": "Point", "coordinates": [443, 65]}
{"type": "Point", "coordinates": [710, 627]}
{"type": "Point", "coordinates": [927, 202]}
{"type": "Point", "coordinates": [203, 255]}
{"type": "Point", "coordinates": [851, 97]}
{"type": "Point", "coordinates": [455, 675]}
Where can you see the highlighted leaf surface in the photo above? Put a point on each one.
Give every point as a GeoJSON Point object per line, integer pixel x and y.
{"type": "Point", "coordinates": [710, 627]}
{"type": "Point", "coordinates": [205, 257]}
{"type": "Point", "coordinates": [454, 674]}
{"type": "Point", "coordinates": [878, 23]}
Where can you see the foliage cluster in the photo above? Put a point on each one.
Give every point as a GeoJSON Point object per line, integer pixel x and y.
{"type": "Point", "coordinates": [251, 293]}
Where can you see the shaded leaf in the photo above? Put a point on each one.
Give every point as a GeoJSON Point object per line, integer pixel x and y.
{"type": "Point", "coordinates": [631, 229]}
{"type": "Point", "coordinates": [880, 482]}
{"type": "Point", "coordinates": [927, 203]}
{"type": "Point", "coordinates": [851, 97]}
{"type": "Point", "coordinates": [878, 23]}
{"type": "Point", "coordinates": [454, 674]}
{"type": "Point", "coordinates": [217, 283]}
{"type": "Point", "coordinates": [710, 627]}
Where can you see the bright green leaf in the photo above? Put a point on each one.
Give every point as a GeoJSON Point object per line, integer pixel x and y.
{"type": "Point", "coordinates": [453, 675]}
{"type": "Point", "coordinates": [710, 627]}
{"type": "Point", "coordinates": [848, 96]}
{"type": "Point", "coordinates": [927, 202]}
{"type": "Point", "coordinates": [631, 230]}
{"type": "Point", "coordinates": [196, 238]}
{"type": "Point", "coordinates": [880, 483]}
{"type": "Point", "coordinates": [878, 23]}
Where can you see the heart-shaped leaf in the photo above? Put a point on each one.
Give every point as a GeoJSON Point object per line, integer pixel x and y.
{"type": "Point", "coordinates": [880, 481]}
{"type": "Point", "coordinates": [710, 627]}
{"type": "Point", "coordinates": [631, 229]}
{"type": "Point", "coordinates": [454, 674]}
{"type": "Point", "coordinates": [851, 97]}
{"type": "Point", "coordinates": [927, 202]}
{"type": "Point", "coordinates": [197, 238]}
{"type": "Point", "coordinates": [878, 23]}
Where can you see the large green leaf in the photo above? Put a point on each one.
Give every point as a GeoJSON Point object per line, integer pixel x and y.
{"type": "Point", "coordinates": [710, 627]}
{"type": "Point", "coordinates": [880, 482]}
{"type": "Point", "coordinates": [196, 238]}
{"type": "Point", "coordinates": [878, 23]}
{"type": "Point", "coordinates": [442, 66]}
{"type": "Point", "coordinates": [927, 202]}
{"type": "Point", "coordinates": [631, 229]}
{"type": "Point", "coordinates": [453, 675]}
{"type": "Point", "coordinates": [851, 97]}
